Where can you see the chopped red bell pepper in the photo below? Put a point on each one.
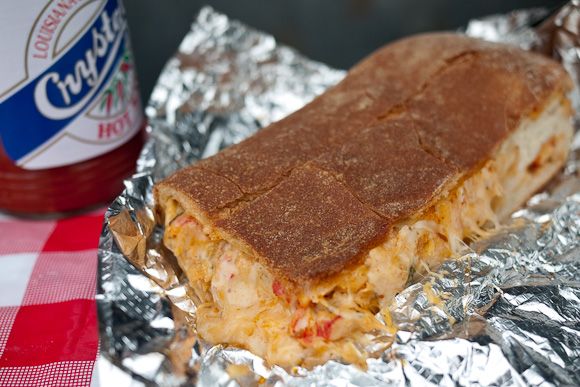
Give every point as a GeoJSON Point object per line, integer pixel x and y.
{"type": "Point", "coordinates": [324, 328]}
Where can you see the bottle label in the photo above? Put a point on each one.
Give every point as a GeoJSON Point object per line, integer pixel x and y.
{"type": "Point", "coordinates": [68, 90]}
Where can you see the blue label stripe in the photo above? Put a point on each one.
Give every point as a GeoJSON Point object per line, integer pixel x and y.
{"type": "Point", "coordinates": [23, 128]}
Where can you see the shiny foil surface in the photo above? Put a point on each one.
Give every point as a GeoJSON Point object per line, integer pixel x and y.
{"type": "Point", "coordinates": [506, 313]}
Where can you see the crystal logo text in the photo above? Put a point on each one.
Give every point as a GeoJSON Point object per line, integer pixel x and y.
{"type": "Point", "coordinates": [85, 72]}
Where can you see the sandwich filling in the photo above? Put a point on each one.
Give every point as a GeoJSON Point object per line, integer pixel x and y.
{"type": "Point", "coordinates": [242, 302]}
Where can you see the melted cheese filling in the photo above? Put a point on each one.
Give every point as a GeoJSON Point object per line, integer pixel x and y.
{"type": "Point", "coordinates": [240, 302]}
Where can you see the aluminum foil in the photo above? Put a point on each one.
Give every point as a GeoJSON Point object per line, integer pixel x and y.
{"type": "Point", "coordinates": [506, 313]}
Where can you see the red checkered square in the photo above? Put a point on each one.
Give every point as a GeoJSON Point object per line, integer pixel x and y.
{"type": "Point", "coordinates": [48, 322]}
{"type": "Point", "coordinates": [61, 277]}
{"type": "Point", "coordinates": [22, 236]}
{"type": "Point", "coordinates": [7, 316]}
{"type": "Point", "coordinates": [61, 374]}
{"type": "Point", "coordinates": [74, 234]}
{"type": "Point", "coordinates": [49, 333]}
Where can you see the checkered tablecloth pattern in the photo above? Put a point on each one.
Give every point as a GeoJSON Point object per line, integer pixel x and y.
{"type": "Point", "coordinates": [48, 321]}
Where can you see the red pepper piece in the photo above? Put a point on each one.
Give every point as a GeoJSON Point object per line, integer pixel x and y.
{"type": "Point", "coordinates": [277, 288]}
{"type": "Point", "coordinates": [324, 328]}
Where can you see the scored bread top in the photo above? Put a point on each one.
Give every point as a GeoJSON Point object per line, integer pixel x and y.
{"type": "Point", "coordinates": [312, 193]}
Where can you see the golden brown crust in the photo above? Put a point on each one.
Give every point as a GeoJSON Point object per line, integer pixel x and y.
{"type": "Point", "coordinates": [386, 168]}
{"type": "Point", "coordinates": [202, 192]}
{"type": "Point", "coordinates": [308, 226]}
{"type": "Point", "coordinates": [471, 107]}
{"type": "Point", "coordinates": [372, 88]}
{"type": "Point", "coordinates": [394, 135]}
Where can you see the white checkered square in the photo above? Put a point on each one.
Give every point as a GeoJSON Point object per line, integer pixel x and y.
{"type": "Point", "coordinates": [61, 374]}
{"type": "Point", "coordinates": [24, 236]}
{"type": "Point", "coordinates": [15, 271]}
{"type": "Point", "coordinates": [54, 269]}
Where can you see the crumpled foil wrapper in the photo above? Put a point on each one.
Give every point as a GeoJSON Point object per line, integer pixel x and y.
{"type": "Point", "coordinates": [506, 313]}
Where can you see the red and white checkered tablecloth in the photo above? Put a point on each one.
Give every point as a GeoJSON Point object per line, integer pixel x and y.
{"type": "Point", "coordinates": [48, 316]}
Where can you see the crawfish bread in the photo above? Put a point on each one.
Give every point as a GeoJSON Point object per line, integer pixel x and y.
{"type": "Point", "coordinates": [293, 239]}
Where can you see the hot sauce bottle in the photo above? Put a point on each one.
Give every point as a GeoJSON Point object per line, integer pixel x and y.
{"type": "Point", "coordinates": [71, 121]}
